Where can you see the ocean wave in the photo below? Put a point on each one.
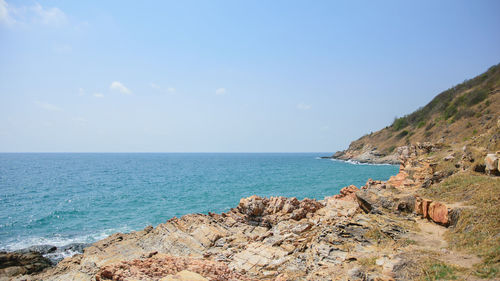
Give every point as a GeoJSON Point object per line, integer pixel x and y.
{"type": "Point", "coordinates": [59, 240]}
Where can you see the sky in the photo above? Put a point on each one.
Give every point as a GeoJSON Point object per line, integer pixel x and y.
{"type": "Point", "coordinates": [228, 76]}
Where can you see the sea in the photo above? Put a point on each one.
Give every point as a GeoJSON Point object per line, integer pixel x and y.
{"type": "Point", "coordinates": [63, 198]}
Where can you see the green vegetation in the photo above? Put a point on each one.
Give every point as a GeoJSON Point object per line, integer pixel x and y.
{"type": "Point", "coordinates": [399, 123]}
{"type": "Point", "coordinates": [450, 102]}
{"type": "Point", "coordinates": [402, 134]}
{"type": "Point", "coordinates": [440, 271]}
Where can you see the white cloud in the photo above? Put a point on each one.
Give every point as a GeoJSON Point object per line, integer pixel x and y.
{"type": "Point", "coordinates": [4, 13]}
{"type": "Point", "coordinates": [98, 95]}
{"type": "Point", "coordinates": [303, 106]}
{"type": "Point", "coordinates": [120, 87]}
{"type": "Point", "coordinates": [170, 90]}
{"type": "Point", "coordinates": [36, 14]}
{"type": "Point", "coordinates": [48, 16]}
{"type": "Point", "coordinates": [81, 92]}
{"type": "Point", "coordinates": [220, 91]}
{"type": "Point", "coordinates": [47, 106]}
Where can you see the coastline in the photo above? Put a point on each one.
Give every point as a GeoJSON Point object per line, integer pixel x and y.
{"type": "Point", "coordinates": [383, 230]}
{"type": "Point", "coordinates": [58, 251]}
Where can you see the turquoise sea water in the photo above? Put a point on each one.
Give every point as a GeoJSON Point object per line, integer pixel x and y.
{"type": "Point", "coordinates": [61, 198]}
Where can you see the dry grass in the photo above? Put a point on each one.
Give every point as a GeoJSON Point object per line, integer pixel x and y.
{"type": "Point", "coordinates": [478, 228]}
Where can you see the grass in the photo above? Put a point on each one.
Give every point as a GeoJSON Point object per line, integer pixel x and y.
{"type": "Point", "coordinates": [377, 235]}
{"type": "Point", "coordinates": [478, 228]}
{"type": "Point", "coordinates": [370, 262]}
{"type": "Point", "coordinates": [439, 271]}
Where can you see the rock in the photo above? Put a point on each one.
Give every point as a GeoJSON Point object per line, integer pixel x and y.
{"type": "Point", "coordinates": [407, 204]}
{"type": "Point", "coordinates": [184, 275]}
{"type": "Point", "coordinates": [12, 264]}
{"type": "Point", "coordinates": [75, 247]}
{"type": "Point", "coordinates": [164, 267]}
{"type": "Point", "coordinates": [453, 216]}
{"type": "Point", "coordinates": [356, 274]}
{"type": "Point", "coordinates": [449, 157]}
{"type": "Point", "coordinates": [491, 164]}
{"type": "Point", "coordinates": [269, 211]}
{"type": "Point", "coordinates": [425, 207]}
{"type": "Point", "coordinates": [42, 249]}
{"type": "Point", "coordinates": [480, 168]}
{"type": "Point", "coordinates": [438, 212]}
{"type": "Point", "coordinates": [347, 193]}
{"type": "Point", "coordinates": [375, 198]}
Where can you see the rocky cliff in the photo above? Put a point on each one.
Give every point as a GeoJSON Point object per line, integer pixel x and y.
{"type": "Point", "coordinates": [393, 230]}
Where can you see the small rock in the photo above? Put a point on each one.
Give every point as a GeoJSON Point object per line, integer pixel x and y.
{"type": "Point", "coordinates": [449, 158]}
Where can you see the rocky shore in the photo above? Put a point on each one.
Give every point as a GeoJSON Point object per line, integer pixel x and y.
{"type": "Point", "coordinates": [367, 154]}
{"type": "Point", "coordinates": [380, 231]}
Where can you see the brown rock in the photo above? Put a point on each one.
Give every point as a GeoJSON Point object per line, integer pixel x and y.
{"type": "Point", "coordinates": [425, 207]}
{"type": "Point", "coordinates": [438, 212]}
{"type": "Point", "coordinates": [166, 267]}
{"type": "Point", "coordinates": [184, 275]}
{"type": "Point", "coordinates": [419, 206]}
{"type": "Point", "coordinates": [347, 193]}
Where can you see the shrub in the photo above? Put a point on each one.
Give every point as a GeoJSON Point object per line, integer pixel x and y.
{"type": "Point", "coordinates": [476, 96]}
{"type": "Point", "coordinates": [450, 111]}
{"type": "Point", "coordinates": [429, 126]}
{"type": "Point", "coordinates": [399, 123]}
{"type": "Point", "coordinates": [420, 124]}
{"type": "Point", "coordinates": [402, 134]}
{"type": "Point", "coordinates": [463, 112]}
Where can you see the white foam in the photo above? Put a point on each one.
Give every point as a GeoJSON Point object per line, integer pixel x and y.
{"type": "Point", "coordinates": [354, 162]}
{"type": "Point", "coordinates": [59, 241]}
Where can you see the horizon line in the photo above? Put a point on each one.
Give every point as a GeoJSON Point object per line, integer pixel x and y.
{"type": "Point", "coordinates": [165, 152]}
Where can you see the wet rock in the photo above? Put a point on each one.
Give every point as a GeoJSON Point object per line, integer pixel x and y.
{"type": "Point", "coordinates": [42, 249]}
{"type": "Point", "coordinates": [12, 264]}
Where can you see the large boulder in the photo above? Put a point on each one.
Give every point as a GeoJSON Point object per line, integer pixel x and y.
{"type": "Point", "coordinates": [491, 163]}
{"type": "Point", "coordinates": [437, 212]}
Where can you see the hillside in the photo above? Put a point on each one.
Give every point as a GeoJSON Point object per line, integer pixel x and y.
{"type": "Point", "coordinates": [466, 113]}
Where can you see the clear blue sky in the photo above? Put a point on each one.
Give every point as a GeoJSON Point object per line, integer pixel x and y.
{"type": "Point", "coordinates": [228, 76]}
